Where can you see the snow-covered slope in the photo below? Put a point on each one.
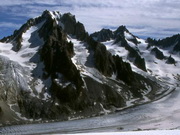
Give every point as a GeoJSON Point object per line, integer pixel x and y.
{"type": "Point", "coordinates": [158, 68]}
{"type": "Point", "coordinates": [83, 60]}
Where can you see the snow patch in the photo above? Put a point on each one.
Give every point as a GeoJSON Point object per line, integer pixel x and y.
{"type": "Point", "coordinates": [157, 68]}
{"type": "Point", "coordinates": [84, 61]}
{"type": "Point", "coordinates": [39, 85]}
{"type": "Point", "coordinates": [18, 114]}
{"type": "Point", "coordinates": [128, 36]}
{"type": "Point", "coordinates": [105, 111]}
{"type": "Point", "coordinates": [116, 49]}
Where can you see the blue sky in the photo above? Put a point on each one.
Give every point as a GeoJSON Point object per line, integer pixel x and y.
{"type": "Point", "coordinates": [144, 18]}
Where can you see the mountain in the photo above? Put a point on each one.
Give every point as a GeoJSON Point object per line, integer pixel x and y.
{"type": "Point", "coordinates": [52, 69]}
{"type": "Point", "coordinates": [126, 40]}
{"type": "Point", "coordinates": [172, 44]}
{"type": "Point", "coordinates": [142, 53]}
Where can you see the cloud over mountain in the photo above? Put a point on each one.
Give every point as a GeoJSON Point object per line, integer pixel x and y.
{"type": "Point", "coordinates": [155, 18]}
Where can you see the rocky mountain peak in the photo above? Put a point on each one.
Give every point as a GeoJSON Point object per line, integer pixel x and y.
{"type": "Point", "coordinates": [170, 60]}
{"type": "Point", "coordinates": [122, 37]}
{"type": "Point", "coordinates": [120, 30]}
{"type": "Point", "coordinates": [46, 14]}
{"type": "Point", "coordinates": [51, 14]}
{"type": "Point", "coordinates": [72, 27]}
{"type": "Point", "coordinates": [103, 35]}
{"type": "Point", "coordinates": [170, 43]}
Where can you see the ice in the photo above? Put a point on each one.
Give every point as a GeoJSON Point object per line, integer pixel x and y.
{"type": "Point", "coordinates": [116, 49]}
{"type": "Point", "coordinates": [26, 60]}
{"type": "Point", "coordinates": [131, 44]}
{"type": "Point", "coordinates": [81, 53]}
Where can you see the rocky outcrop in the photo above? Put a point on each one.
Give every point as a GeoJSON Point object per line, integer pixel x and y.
{"type": "Point", "coordinates": [103, 60]}
{"type": "Point", "coordinates": [134, 55]}
{"type": "Point", "coordinates": [56, 54]}
{"type": "Point", "coordinates": [124, 71]}
{"type": "Point", "coordinates": [170, 43]}
{"type": "Point", "coordinates": [120, 33]}
{"type": "Point", "coordinates": [106, 35]}
{"type": "Point", "coordinates": [72, 27]}
{"type": "Point", "coordinates": [158, 54]}
{"type": "Point", "coordinates": [103, 35]}
{"type": "Point", "coordinates": [170, 60]}
{"type": "Point", "coordinates": [177, 47]}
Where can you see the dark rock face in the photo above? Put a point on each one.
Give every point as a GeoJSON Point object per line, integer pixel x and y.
{"type": "Point", "coordinates": [124, 71]}
{"type": "Point", "coordinates": [1, 111]}
{"type": "Point", "coordinates": [56, 54]}
{"type": "Point", "coordinates": [177, 47]}
{"type": "Point", "coordinates": [170, 60]}
{"type": "Point", "coordinates": [119, 33]}
{"type": "Point", "coordinates": [106, 35]}
{"type": "Point", "coordinates": [120, 30]}
{"type": "Point", "coordinates": [105, 94]}
{"type": "Point", "coordinates": [103, 60]}
{"type": "Point", "coordinates": [103, 35]}
{"type": "Point", "coordinates": [151, 41]}
{"type": "Point", "coordinates": [140, 63]}
{"type": "Point", "coordinates": [69, 22]}
{"type": "Point", "coordinates": [157, 53]}
{"type": "Point", "coordinates": [166, 43]}
{"type": "Point", "coordinates": [80, 32]}
{"type": "Point", "coordinates": [72, 27]}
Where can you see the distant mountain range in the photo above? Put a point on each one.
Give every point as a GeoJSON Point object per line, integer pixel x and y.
{"type": "Point", "coordinates": [52, 69]}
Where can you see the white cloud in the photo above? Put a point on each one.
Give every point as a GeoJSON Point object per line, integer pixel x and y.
{"type": "Point", "coordinates": [25, 2]}
{"type": "Point", "coordinates": [153, 15]}
{"type": "Point", "coordinates": [9, 25]}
